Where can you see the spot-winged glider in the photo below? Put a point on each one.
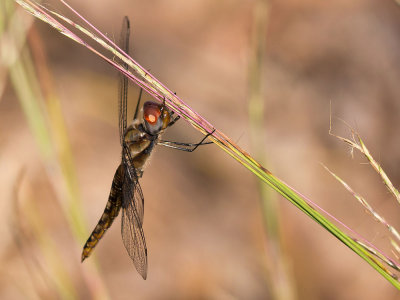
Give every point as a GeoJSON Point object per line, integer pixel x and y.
{"type": "Point", "coordinates": [137, 141]}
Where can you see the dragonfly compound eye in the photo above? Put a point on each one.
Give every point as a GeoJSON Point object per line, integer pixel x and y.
{"type": "Point", "coordinates": [153, 117]}
{"type": "Point", "coordinates": [151, 112]}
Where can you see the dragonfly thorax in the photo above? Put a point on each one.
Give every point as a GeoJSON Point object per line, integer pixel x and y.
{"type": "Point", "coordinates": [141, 137]}
{"type": "Point", "coordinates": [156, 117]}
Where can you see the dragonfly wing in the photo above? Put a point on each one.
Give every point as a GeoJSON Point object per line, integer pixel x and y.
{"type": "Point", "coordinates": [132, 217]}
{"type": "Point", "coordinates": [123, 81]}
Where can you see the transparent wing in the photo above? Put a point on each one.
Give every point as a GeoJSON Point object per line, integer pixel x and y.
{"type": "Point", "coordinates": [132, 190]}
{"type": "Point", "coordinates": [132, 216]}
{"type": "Point", "coordinates": [123, 81]}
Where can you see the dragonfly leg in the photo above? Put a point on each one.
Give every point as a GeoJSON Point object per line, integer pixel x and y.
{"type": "Point", "coordinates": [188, 147]}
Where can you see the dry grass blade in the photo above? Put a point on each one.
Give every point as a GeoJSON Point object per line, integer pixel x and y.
{"type": "Point", "coordinates": [357, 143]}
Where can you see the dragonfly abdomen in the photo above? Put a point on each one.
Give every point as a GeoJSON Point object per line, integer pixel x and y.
{"type": "Point", "coordinates": [110, 213]}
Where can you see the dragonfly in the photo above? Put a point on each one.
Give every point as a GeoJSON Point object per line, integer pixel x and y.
{"type": "Point", "coordinates": [137, 141]}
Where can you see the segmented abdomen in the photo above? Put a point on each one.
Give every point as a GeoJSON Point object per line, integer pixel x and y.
{"type": "Point", "coordinates": [110, 213]}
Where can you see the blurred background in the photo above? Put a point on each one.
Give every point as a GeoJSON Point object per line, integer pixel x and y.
{"type": "Point", "coordinates": [204, 222]}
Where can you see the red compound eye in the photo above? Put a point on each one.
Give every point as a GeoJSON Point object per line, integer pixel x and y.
{"type": "Point", "coordinates": [151, 112]}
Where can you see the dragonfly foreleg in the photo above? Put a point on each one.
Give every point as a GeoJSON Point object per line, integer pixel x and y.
{"type": "Point", "coordinates": [188, 147]}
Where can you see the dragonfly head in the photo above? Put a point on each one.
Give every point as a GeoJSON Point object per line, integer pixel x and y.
{"type": "Point", "coordinates": [156, 117]}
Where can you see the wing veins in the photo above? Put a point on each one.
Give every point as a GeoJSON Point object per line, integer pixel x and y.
{"type": "Point", "coordinates": [132, 216]}
{"type": "Point", "coordinates": [123, 81]}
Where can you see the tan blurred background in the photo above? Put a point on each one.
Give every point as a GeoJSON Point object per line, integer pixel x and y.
{"type": "Point", "coordinates": [203, 223]}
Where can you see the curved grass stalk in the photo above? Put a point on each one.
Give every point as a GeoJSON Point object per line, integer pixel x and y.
{"type": "Point", "coordinates": [160, 92]}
